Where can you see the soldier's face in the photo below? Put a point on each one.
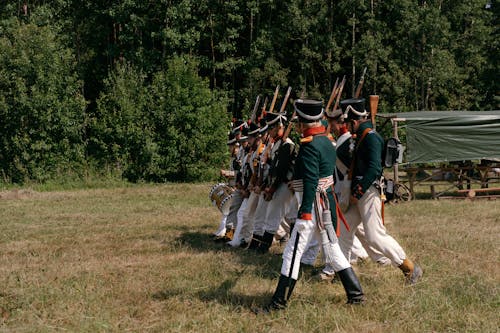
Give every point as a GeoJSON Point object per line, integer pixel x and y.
{"type": "Point", "coordinates": [353, 125]}
{"type": "Point", "coordinates": [335, 126]}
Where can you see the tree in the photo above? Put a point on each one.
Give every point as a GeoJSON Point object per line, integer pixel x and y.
{"type": "Point", "coordinates": [190, 121]}
{"type": "Point", "coordinates": [41, 108]}
{"type": "Point", "coordinates": [121, 132]}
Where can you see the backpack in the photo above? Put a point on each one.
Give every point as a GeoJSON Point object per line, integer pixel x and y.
{"type": "Point", "coordinates": [392, 152]}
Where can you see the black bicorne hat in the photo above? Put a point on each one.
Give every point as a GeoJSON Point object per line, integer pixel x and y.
{"type": "Point", "coordinates": [273, 119]}
{"type": "Point", "coordinates": [238, 126]}
{"type": "Point", "coordinates": [308, 110]}
{"type": "Point", "coordinates": [263, 125]}
{"type": "Point", "coordinates": [244, 134]}
{"type": "Point", "coordinates": [334, 114]}
{"type": "Point", "coordinates": [253, 129]}
{"type": "Point", "coordinates": [231, 140]}
{"type": "Point", "coordinates": [353, 108]}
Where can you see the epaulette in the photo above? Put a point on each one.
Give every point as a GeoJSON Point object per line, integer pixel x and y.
{"type": "Point", "coordinates": [307, 139]}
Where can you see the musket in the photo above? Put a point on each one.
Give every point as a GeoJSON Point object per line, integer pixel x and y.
{"type": "Point", "coordinates": [263, 110]}
{"type": "Point", "coordinates": [288, 128]}
{"type": "Point", "coordinates": [373, 109]}
{"type": "Point", "coordinates": [360, 84]}
{"type": "Point", "coordinates": [339, 93]}
{"type": "Point", "coordinates": [332, 95]}
{"type": "Point", "coordinates": [290, 124]}
{"type": "Point", "coordinates": [255, 107]}
{"type": "Point", "coordinates": [271, 108]}
{"type": "Point", "coordinates": [285, 100]}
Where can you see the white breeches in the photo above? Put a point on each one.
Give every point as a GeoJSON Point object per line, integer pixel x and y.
{"type": "Point", "coordinates": [277, 208]}
{"type": "Point", "coordinates": [248, 217]}
{"type": "Point", "coordinates": [303, 234]}
{"type": "Point", "coordinates": [368, 212]}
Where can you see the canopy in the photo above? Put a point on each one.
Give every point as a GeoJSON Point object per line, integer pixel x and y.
{"type": "Point", "coordinates": [445, 136]}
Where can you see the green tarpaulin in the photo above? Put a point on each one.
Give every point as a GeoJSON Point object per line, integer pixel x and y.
{"type": "Point", "coordinates": [444, 136]}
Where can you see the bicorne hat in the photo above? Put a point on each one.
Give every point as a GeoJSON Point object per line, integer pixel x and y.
{"type": "Point", "coordinates": [308, 110]}
{"type": "Point", "coordinates": [238, 126]}
{"type": "Point", "coordinates": [273, 119]}
{"type": "Point", "coordinates": [334, 114]}
{"type": "Point", "coordinates": [231, 140]}
{"type": "Point", "coordinates": [353, 108]}
{"type": "Point", "coordinates": [263, 126]}
{"type": "Point", "coordinates": [253, 129]}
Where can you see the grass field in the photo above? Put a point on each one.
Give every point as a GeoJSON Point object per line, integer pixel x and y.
{"type": "Point", "coordinates": [139, 259]}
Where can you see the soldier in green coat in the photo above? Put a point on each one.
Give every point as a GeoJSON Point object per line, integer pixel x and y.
{"type": "Point", "coordinates": [312, 184]}
{"type": "Point", "coordinates": [366, 201]}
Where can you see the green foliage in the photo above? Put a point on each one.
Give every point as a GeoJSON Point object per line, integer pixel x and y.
{"type": "Point", "coordinates": [41, 106]}
{"type": "Point", "coordinates": [190, 121]}
{"type": "Point", "coordinates": [420, 55]}
{"type": "Point", "coordinates": [121, 129]}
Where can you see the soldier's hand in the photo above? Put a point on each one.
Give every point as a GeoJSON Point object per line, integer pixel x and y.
{"type": "Point", "coordinates": [353, 200]}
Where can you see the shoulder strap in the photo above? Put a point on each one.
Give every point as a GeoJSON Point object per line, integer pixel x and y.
{"type": "Point", "coordinates": [353, 162]}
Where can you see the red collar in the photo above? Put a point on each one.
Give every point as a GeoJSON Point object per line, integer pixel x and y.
{"type": "Point", "coordinates": [314, 131]}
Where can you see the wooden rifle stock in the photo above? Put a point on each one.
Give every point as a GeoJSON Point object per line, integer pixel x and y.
{"type": "Point", "coordinates": [263, 110]}
{"type": "Point", "coordinates": [339, 93]}
{"type": "Point", "coordinates": [332, 95]}
{"type": "Point", "coordinates": [360, 84]}
{"type": "Point", "coordinates": [373, 109]}
{"type": "Point", "coordinates": [271, 108]}
{"type": "Point", "coordinates": [285, 100]}
{"type": "Point", "coordinates": [255, 107]}
{"type": "Point", "coordinates": [286, 134]}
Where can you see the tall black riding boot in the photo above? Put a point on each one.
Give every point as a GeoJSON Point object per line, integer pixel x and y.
{"type": "Point", "coordinates": [255, 243]}
{"type": "Point", "coordinates": [282, 294]}
{"type": "Point", "coordinates": [351, 285]}
{"type": "Point", "coordinates": [267, 241]}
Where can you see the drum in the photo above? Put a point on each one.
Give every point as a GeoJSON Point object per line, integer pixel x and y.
{"type": "Point", "coordinates": [221, 196]}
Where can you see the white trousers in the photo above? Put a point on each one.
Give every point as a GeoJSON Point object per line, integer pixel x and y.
{"type": "Point", "coordinates": [367, 211]}
{"type": "Point", "coordinates": [248, 217]}
{"type": "Point", "coordinates": [259, 222]}
{"type": "Point", "coordinates": [303, 234]}
{"type": "Point", "coordinates": [277, 208]}
{"type": "Point", "coordinates": [236, 241]}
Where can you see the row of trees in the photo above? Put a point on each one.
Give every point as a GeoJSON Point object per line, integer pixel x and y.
{"type": "Point", "coordinates": [143, 87]}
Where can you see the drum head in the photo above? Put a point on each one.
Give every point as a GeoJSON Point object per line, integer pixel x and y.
{"type": "Point", "coordinates": [214, 189]}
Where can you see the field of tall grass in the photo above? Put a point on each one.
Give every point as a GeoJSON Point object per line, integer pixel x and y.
{"type": "Point", "coordinates": [140, 259]}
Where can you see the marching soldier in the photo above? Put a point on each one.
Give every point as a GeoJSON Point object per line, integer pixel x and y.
{"type": "Point", "coordinates": [312, 183]}
{"type": "Point", "coordinates": [259, 217]}
{"type": "Point", "coordinates": [276, 192]}
{"type": "Point", "coordinates": [250, 210]}
{"type": "Point", "coordinates": [233, 147]}
{"type": "Point", "coordinates": [248, 176]}
{"type": "Point", "coordinates": [360, 248]}
{"type": "Point", "coordinates": [239, 132]}
{"type": "Point", "coordinates": [365, 200]}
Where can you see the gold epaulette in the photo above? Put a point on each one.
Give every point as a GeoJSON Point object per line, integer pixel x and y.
{"type": "Point", "coordinates": [307, 139]}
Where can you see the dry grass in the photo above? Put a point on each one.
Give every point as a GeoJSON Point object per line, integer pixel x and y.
{"type": "Point", "coordinates": [139, 259]}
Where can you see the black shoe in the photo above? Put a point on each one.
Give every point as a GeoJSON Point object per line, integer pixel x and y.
{"type": "Point", "coordinates": [267, 241]}
{"type": "Point", "coordinates": [255, 243]}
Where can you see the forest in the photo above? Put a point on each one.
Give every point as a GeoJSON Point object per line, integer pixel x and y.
{"type": "Point", "coordinates": [146, 90]}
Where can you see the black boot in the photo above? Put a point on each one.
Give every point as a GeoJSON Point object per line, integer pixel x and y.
{"type": "Point", "coordinates": [255, 243]}
{"type": "Point", "coordinates": [282, 294]}
{"type": "Point", "coordinates": [351, 285]}
{"type": "Point", "coordinates": [267, 241]}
